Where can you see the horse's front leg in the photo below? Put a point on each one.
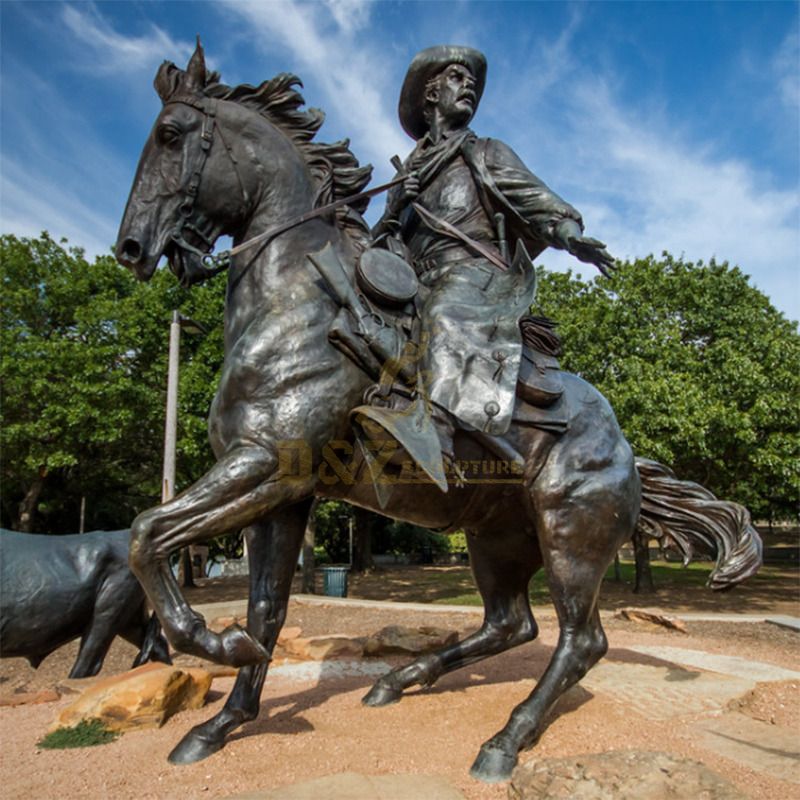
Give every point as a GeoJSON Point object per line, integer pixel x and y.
{"type": "Point", "coordinates": [273, 547]}
{"type": "Point", "coordinates": [241, 488]}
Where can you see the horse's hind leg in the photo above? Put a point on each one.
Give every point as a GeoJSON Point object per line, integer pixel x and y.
{"type": "Point", "coordinates": [503, 563]}
{"type": "Point", "coordinates": [242, 487]}
{"type": "Point", "coordinates": [273, 548]}
{"type": "Point", "coordinates": [578, 536]}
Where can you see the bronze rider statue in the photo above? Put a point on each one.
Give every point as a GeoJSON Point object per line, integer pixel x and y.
{"type": "Point", "coordinates": [465, 197]}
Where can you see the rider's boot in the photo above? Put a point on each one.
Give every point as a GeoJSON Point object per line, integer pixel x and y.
{"type": "Point", "coordinates": [411, 427]}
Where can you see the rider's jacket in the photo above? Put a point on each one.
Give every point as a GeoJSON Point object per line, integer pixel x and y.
{"type": "Point", "coordinates": [470, 338]}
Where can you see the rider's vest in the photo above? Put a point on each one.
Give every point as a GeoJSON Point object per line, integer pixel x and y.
{"type": "Point", "coordinates": [453, 196]}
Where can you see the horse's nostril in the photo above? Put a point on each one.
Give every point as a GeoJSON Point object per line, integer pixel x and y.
{"type": "Point", "coordinates": [131, 251]}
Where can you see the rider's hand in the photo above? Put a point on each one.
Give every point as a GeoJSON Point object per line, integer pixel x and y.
{"type": "Point", "coordinates": [405, 194]}
{"type": "Point", "coordinates": [592, 251]}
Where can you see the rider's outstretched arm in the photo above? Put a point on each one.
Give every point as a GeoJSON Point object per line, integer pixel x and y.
{"type": "Point", "coordinates": [568, 235]}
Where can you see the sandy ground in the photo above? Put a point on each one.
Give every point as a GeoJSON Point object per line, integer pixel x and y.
{"type": "Point", "coordinates": [313, 728]}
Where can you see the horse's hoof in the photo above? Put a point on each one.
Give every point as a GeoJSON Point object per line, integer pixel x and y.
{"type": "Point", "coordinates": [381, 695]}
{"type": "Point", "coordinates": [240, 649]}
{"type": "Point", "coordinates": [493, 765]}
{"type": "Point", "coordinates": [195, 747]}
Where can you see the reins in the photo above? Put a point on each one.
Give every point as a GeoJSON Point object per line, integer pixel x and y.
{"type": "Point", "coordinates": [214, 264]}
{"type": "Point", "coordinates": [222, 260]}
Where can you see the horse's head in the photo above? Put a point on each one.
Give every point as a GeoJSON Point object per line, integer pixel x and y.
{"type": "Point", "coordinates": [188, 188]}
{"type": "Point", "coordinates": [227, 160]}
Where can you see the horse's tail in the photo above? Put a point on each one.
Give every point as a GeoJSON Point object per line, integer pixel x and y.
{"type": "Point", "coordinates": [685, 517]}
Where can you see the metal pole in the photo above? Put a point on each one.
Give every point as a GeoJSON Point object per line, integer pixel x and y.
{"type": "Point", "coordinates": [350, 530]}
{"type": "Point", "coordinates": [171, 425]}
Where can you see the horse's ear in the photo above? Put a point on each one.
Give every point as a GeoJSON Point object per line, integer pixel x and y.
{"type": "Point", "coordinates": [164, 82]}
{"type": "Point", "coordinates": [196, 69]}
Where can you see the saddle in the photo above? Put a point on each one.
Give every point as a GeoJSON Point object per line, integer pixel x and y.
{"type": "Point", "coordinates": [378, 324]}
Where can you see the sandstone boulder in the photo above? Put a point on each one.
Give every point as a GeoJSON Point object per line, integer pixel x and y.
{"type": "Point", "coordinates": [185, 661]}
{"type": "Point", "coordinates": [23, 698]}
{"type": "Point", "coordinates": [395, 639]}
{"type": "Point", "coordinates": [319, 648]}
{"type": "Point", "coordinates": [290, 632]}
{"type": "Point", "coordinates": [641, 615]}
{"type": "Point", "coordinates": [619, 775]}
{"type": "Point", "coordinates": [145, 697]}
{"type": "Point", "coordinates": [218, 624]}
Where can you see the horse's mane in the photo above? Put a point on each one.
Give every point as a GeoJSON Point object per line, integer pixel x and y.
{"type": "Point", "coordinates": [334, 169]}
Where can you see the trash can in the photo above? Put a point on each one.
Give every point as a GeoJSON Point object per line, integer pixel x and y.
{"type": "Point", "coordinates": [334, 581]}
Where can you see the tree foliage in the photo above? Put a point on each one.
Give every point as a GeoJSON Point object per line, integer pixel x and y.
{"type": "Point", "coordinates": [84, 354]}
{"type": "Point", "coordinates": [700, 368]}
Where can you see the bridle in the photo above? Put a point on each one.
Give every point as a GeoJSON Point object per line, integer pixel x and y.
{"type": "Point", "coordinates": [208, 108]}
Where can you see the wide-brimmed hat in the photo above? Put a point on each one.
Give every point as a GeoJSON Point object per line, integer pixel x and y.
{"type": "Point", "coordinates": [425, 66]}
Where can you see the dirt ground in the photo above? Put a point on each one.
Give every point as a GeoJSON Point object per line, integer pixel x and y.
{"type": "Point", "coordinates": [316, 727]}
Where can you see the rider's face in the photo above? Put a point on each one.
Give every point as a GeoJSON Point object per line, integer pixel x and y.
{"type": "Point", "coordinates": [454, 95]}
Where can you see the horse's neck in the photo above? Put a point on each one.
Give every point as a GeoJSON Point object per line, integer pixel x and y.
{"type": "Point", "coordinates": [279, 279]}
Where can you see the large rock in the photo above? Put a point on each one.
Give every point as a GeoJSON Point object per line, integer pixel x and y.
{"type": "Point", "coordinates": [319, 648]}
{"type": "Point", "coordinates": [651, 617]}
{"type": "Point", "coordinates": [619, 775]}
{"type": "Point", "coordinates": [398, 639]}
{"type": "Point", "coordinates": [23, 698]}
{"type": "Point", "coordinates": [145, 697]}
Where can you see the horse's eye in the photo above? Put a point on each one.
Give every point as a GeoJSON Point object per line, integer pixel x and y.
{"type": "Point", "coordinates": [168, 134]}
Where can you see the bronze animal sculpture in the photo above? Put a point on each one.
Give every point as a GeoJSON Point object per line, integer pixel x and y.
{"type": "Point", "coordinates": [243, 161]}
{"type": "Point", "coordinates": [58, 588]}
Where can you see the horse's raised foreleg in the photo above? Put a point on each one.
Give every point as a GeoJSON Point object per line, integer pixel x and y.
{"type": "Point", "coordinates": [273, 547]}
{"type": "Point", "coordinates": [502, 564]}
{"type": "Point", "coordinates": [578, 540]}
{"type": "Point", "coordinates": [241, 488]}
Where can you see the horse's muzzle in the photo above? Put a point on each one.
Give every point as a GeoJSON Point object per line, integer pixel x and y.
{"type": "Point", "coordinates": [130, 253]}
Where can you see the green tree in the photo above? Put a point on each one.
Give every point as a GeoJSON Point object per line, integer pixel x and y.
{"type": "Point", "coordinates": [84, 349]}
{"type": "Point", "coordinates": [700, 368]}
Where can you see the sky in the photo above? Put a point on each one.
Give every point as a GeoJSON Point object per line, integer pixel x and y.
{"type": "Point", "coordinates": [670, 125]}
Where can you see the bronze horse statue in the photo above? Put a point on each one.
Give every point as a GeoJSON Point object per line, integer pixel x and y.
{"type": "Point", "coordinates": [242, 161]}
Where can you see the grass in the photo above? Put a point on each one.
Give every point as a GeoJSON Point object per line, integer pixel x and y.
{"type": "Point", "coordinates": [87, 733]}
{"type": "Point", "coordinates": [458, 591]}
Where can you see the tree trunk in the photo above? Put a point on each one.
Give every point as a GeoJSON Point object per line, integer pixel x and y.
{"type": "Point", "coordinates": [644, 577]}
{"type": "Point", "coordinates": [309, 538]}
{"type": "Point", "coordinates": [362, 540]}
{"type": "Point", "coordinates": [27, 508]}
{"type": "Point", "coordinates": [617, 569]}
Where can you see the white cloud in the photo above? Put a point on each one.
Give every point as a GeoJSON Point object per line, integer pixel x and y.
{"type": "Point", "coordinates": [112, 52]}
{"type": "Point", "coordinates": [669, 194]}
{"type": "Point", "coordinates": [72, 184]}
{"type": "Point", "coordinates": [352, 77]}
{"type": "Point", "coordinates": [643, 181]}
{"type": "Point", "coordinates": [26, 209]}
{"type": "Point", "coordinates": [350, 15]}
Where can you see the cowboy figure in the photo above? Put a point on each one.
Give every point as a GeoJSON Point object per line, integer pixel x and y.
{"type": "Point", "coordinates": [464, 196]}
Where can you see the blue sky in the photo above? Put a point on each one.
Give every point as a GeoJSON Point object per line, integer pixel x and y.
{"type": "Point", "coordinates": [669, 125]}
